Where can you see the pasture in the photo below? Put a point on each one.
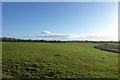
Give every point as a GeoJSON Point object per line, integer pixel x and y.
{"type": "Point", "coordinates": [57, 60]}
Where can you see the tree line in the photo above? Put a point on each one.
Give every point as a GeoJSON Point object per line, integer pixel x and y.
{"type": "Point", "coordinates": [6, 39]}
{"type": "Point", "coordinates": [10, 39]}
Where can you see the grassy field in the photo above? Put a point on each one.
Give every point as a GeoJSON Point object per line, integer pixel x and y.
{"type": "Point", "coordinates": [57, 60]}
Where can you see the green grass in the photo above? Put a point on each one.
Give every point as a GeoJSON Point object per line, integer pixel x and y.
{"type": "Point", "coordinates": [57, 60]}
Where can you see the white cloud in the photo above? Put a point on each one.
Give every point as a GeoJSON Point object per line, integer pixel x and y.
{"type": "Point", "coordinates": [46, 32]}
{"type": "Point", "coordinates": [103, 36]}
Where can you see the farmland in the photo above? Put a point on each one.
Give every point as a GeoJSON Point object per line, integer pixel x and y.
{"type": "Point", "coordinates": [57, 60]}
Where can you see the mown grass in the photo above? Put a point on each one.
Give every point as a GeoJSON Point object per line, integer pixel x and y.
{"type": "Point", "coordinates": [57, 60]}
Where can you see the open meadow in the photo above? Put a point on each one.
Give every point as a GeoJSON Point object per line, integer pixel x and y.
{"type": "Point", "coordinates": [57, 60]}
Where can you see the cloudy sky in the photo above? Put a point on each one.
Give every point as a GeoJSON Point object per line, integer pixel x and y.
{"type": "Point", "coordinates": [61, 20]}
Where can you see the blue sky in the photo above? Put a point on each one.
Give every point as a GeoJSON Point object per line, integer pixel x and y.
{"type": "Point", "coordinates": [60, 20]}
